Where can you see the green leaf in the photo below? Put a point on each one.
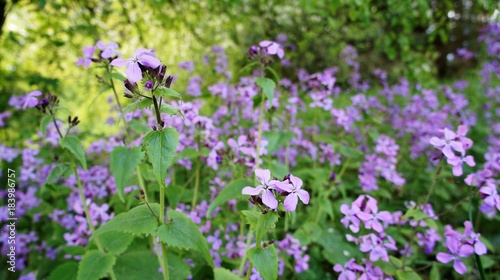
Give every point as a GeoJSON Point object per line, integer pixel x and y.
{"type": "Point", "coordinates": [417, 214]}
{"type": "Point", "coordinates": [161, 146]}
{"type": "Point", "coordinates": [231, 191]}
{"type": "Point", "coordinates": [435, 275]}
{"type": "Point", "coordinates": [183, 233]}
{"type": "Point", "coordinates": [118, 76]}
{"type": "Point", "coordinates": [136, 264]}
{"type": "Point", "coordinates": [95, 265]}
{"type": "Point", "coordinates": [139, 127]}
{"type": "Point", "coordinates": [65, 271]}
{"type": "Point", "coordinates": [267, 86]}
{"type": "Point", "coordinates": [265, 260]}
{"type": "Point", "coordinates": [115, 242]}
{"type": "Point", "coordinates": [123, 163]}
{"type": "Point", "coordinates": [75, 147]}
{"type": "Point", "coordinates": [140, 104]}
{"type": "Point", "coordinates": [171, 110]}
{"type": "Point", "coordinates": [164, 91]}
{"type": "Point", "coordinates": [277, 139]}
{"type": "Point", "coordinates": [265, 222]}
{"type": "Point", "coordinates": [251, 218]}
{"type": "Point", "coordinates": [178, 268]}
{"type": "Point", "coordinates": [221, 273]}
{"type": "Point", "coordinates": [43, 124]}
{"type": "Point", "coordinates": [138, 221]}
{"type": "Point", "coordinates": [407, 275]}
{"type": "Point", "coordinates": [62, 170]}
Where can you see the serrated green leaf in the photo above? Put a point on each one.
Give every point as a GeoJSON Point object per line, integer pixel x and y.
{"type": "Point", "coordinates": [221, 273]}
{"type": "Point", "coordinates": [123, 162]}
{"type": "Point", "coordinates": [75, 147]}
{"type": "Point", "coordinates": [181, 232]}
{"type": "Point", "coordinates": [265, 260]}
{"type": "Point", "coordinates": [139, 127]}
{"type": "Point", "coordinates": [171, 110]}
{"type": "Point", "coordinates": [136, 264]}
{"type": "Point", "coordinates": [265, 222]}
{"type": "Point", "coordinates": [251, 218]}
{"type": "Point", "coordinates": [43, 124]}
{"type": "Point", "coordinates": [140, 104]}
{"type": "Point", "coordinates": [95, 265]}
{"type": "Point", "coordinates": [115, 242]}
{"type": "Point", "coordinates": [65, 271]}
{"type": "Point", "coordinates": [62, 170]}
{"type": "Point", "coordinates": [267, 86]}
{"type": "Point", "coordinates": [138, 221]}
{"type": "Point", "coordinates": [161, 146]}
{"type": "Point", "coordinates": [164, 91]}
{"type": "Point", "coordinates": [192, 153]}
{"type": "Point", "coordinates": [231, 191]}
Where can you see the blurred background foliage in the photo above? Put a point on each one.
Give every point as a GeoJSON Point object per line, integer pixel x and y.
{"type": "Point", "coordinates": [41, 40]}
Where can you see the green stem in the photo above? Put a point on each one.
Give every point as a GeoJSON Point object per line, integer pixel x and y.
{"type": "Point", "coordinates": [259, 133]}
{"type": "Point", "coordinates": [244, 258]}
{"type": "Point", "coordinates": [249, 271]}
{"type": "Point", "coordinates": [196, 184]}
{"type": "Point", "coordinates": [166, 275]}
{"type": "Point", "coordinates": [476, 256]}
{"type": "Point", "coordinates": [87, 214]}
{"type": "Point", "coordinates": [141, 183]}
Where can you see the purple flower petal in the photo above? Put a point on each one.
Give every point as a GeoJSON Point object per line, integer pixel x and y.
{"type": "Point", "coordinates": [269, 199]}
{"type": "Point", "coordinates": [444, 257]}
{"type": "Point", "coordinates": [252, 191]}
{"type": "Point", "coordinates": [459, 266]}
{"type": "Point", "coordinates": [290, 202]}
{"type": "Point", "coordinates": [134, 73]}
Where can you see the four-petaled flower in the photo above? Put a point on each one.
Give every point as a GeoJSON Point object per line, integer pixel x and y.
{"type": "Point", "coordinates": [108, 50]}
{"type": "Point", "coordinates": [30, 100]}
{"type": "Point", "coordinates": [448, 143]}
{"type": "Point", "coordinates": [142, 57]}
{"type": "Point", "coordinates": [296, 192]}
{"type": "Point", "coordinates": [268, 198]}
{"type": "Point", "coordinates": [88, 52]}
{"type": "Point", "coordinates": [272, 48]}
{"type": "Point", "coordinates": [456, 251]}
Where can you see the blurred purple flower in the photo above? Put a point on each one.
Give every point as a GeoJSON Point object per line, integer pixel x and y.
{"type": "Point", "coordinates": [31, 99]}
{"type": "Point", "coordinates": [108, 50]}
{"type": "Point", "coordinates": [88, 52]}
{"type": "Point", "coordinates": [142, 57]}
{"type": "Point", "coordinates": [272, 48]}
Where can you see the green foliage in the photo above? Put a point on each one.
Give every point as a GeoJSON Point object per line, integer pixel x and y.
{"type": "Point", "coordinates": [265, 260]}
{"type": "Point", "coordinates": [231, 191]}
{"type": "Point", "coordinates": [123, 162]}
{"type": "Point", "coordinates": [61, 170]}
{"type": "Point", "coordinates": [181, 232]}
{"type": "Point", "coordinates": [134, 265]}
{"type": "Point", "coordinates": [44, 122]}
{"type": "Point", "coordinates": [264, 223]}
{"type": "Point", "coordinates": [221, 273]}
{"type": "Point", "coordinates": [95, 265]}
{"type": "Point", "coordinates": [267, 86]}
{"type": "Point", "coordinates": [138, 221]}
{"type": "Point", "coordinates": [75, 147]}
{"type": "Point", "coordinates": [164, 92]}
{"type": "Point", "coordinates": [132, 107]}
{"type": "Point", "coordinates": [65, 271]}
{"type": "Point", "coordinates": [161, 147]}
{"type": "Point", "coordinates": [115, 242]}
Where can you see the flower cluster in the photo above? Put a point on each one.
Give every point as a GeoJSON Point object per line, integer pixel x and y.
{"type": "Point", "coordinates": [461, 245]}
{"type": "Point", "coordinates": [290, 187]}
{"type": "Point", "coordinates": [453, 143]}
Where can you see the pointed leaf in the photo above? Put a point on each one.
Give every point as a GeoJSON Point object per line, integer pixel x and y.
{"type": "Point", "coordinates": [267, 86]}
{"type": "Point", "coordinates": [43, 124]}
{"type": "Point", "coordinates": [95, 265]}
{"type": "Point", "coordinates": [265, 260]}
{"type": "Point", "coordinates": [231, 191]}
{"type": "Point", "coordinates": [265, 222]}
{"type": "Point", "coordinates": [75, 147]}
{"type": "Point", "coordinates": [183, 233]}
{"type": "Point", "coordinates": [136, 265]}
{"type": "Point", "coordinates": [115, 242]}
{"type": "Point", "coordinates": [65, 271]}
{"type": "Point", "coordinates": [164, 91]}
{"type": "Point", "coordinates": [171, 110]}
{"type": "Point", "coordinates": [221, 273]}
{"type": "Point", "coordinates": [251, 218]}
{"type": "Point", "coordinates": [62, 170]}
{"type": "Point", "coordinates": [161, 147]}
{"type": "Point", "coordinates": [137, 221]}
{"type": "Point", "coordinates": [123, 163]}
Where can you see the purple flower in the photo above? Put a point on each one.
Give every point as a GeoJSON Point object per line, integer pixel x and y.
{"type": "Point", "coordinates": [272, 48]}
{"type": "Point", "coordinates": [187, 65]}
{"type": "Point", "coordinates": [30, 100]}
{"type": "Point", "coordinates": [88, 52]}
{"type": "Point", "coordinates": [142, 57]}
{"type": "Point", "coordinates": [264, 177]}
{"type": "Point", "coordinates": [296, 192]}
{"type": "Point", "coordinates": [457, 162]}
{"type": "Point", "coordinates": [108, 50]}
{"type": "Point", "coordinates": [350, 217]}
{"type": "Point", "coordinates": [448, 143]}
{"type": "Point", "coordinates": [456, 251]}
